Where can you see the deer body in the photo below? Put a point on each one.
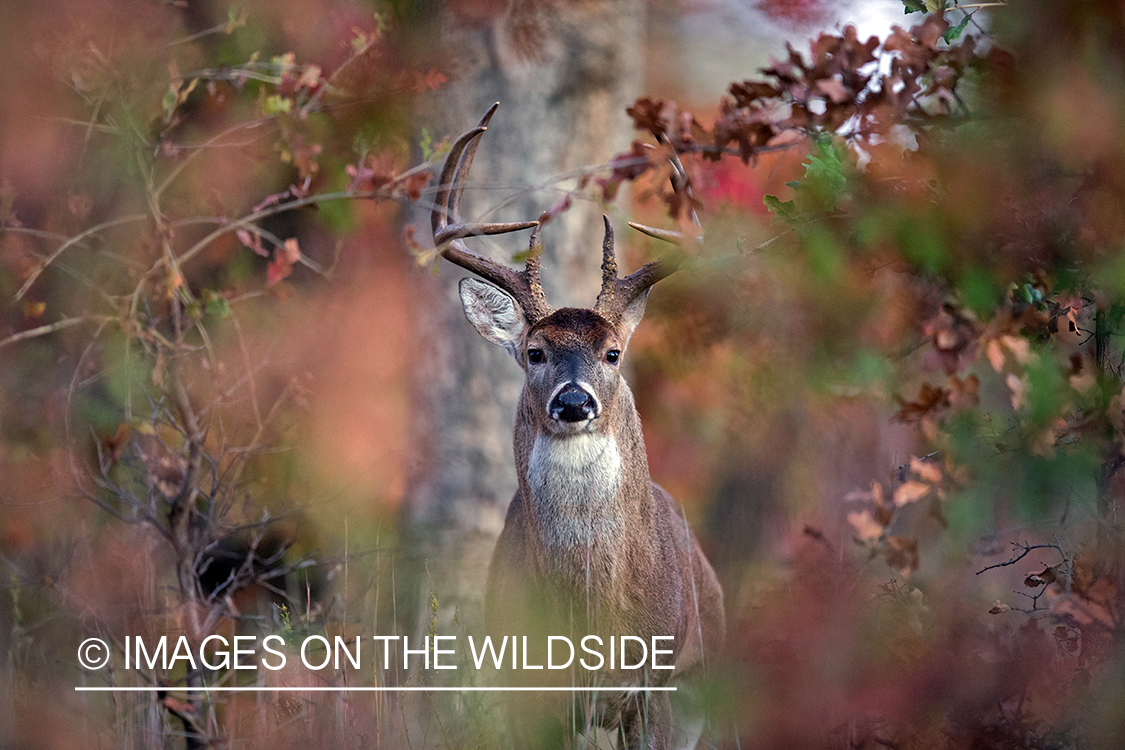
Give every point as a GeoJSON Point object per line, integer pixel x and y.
{"type": "Point", "coordinates": [590, 546]}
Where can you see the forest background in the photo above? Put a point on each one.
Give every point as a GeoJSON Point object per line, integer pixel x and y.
{"type": "Point", "coordinates": [887, 388]}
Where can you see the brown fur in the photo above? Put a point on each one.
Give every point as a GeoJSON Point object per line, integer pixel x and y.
{"type": "Point", "coordinates": [640, 571]}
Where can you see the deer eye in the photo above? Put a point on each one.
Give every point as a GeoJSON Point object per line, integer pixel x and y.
{"type": "Point", "coordinates": [612, 356]}
{"type": "Point", "coordinates": [534, 356]}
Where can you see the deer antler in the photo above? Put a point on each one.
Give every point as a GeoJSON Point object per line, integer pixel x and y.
{"type": "Point", "coordinates": [524, 286]}
{"type": "Point", "coordinates": [617, 293]}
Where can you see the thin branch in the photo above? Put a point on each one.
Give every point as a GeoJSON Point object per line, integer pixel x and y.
{"type": "Point", "coordinates": [209, 143]}
{"type": "Point", "coordinates": [76, 239]}
{"type": "Point", "coordinates": [58, 325]}
{"type": "Point", "coordinates": [1027, 548]}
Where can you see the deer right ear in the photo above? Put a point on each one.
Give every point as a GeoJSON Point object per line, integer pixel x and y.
{"type": "Point", "coordinates": [494, 313]}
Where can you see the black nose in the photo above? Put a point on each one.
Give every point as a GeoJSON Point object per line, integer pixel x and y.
{"type": "Point", "coordinates": [573, 404]}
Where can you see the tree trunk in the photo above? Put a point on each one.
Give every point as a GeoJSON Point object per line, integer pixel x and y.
{"type": "Point", "coordinates": [563, 73]}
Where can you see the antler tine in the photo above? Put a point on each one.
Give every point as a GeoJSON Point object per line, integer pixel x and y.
{"type": "Point", "coordinates": [667, 235]}
{"type": "Point", "coordinates": [451, 185]}
{"type": "Point", "coordinates": [680, 181]}
{"type": "Point", "coordinates": [465, 160]}
{"type": "Point", "coordinates": [630, 287]}
{"type": "Point", "coordinates": [609, 269]}
{"type": "Point", "coordinates": [616, 294]}
{"type": "Point", "coordinates": [531, 263]}
{"type": "Point", "coordinates": [524, 285]}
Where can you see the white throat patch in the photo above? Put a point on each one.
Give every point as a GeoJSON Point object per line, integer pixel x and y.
{"type": "Point", "coordinates": [573, 482]}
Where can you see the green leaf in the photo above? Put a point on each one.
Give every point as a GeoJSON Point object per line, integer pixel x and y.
{"type": "Point", "coordinates": [954, 32]}
{"type": "Point", "coordinates": [913, 6]}
{"type": "Point", "coordinates": [978, 291]}
{"type": "Point", "coordinates": [219, 307]}
{"type": "Point", "coordinates": [826, 172]}
{"type": "Point", "coordinates": [276, 103]}
{"type": "Point", "coordinates": [825, 254]}
{"type": "Point", "coordinates": [786, 211]}
{"type": "Point", "coordinates": [170, 100]}
{"type": "Point", "coordinates": [236, 19]}
{"type": "Point", "coordinates": [1031, 295]}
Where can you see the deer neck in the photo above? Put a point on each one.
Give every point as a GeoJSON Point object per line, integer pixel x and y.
{"type": "Point", "coordinates": [587, 494]}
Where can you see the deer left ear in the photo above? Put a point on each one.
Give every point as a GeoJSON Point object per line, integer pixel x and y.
{"type": "Point", "coordinates": [632, 315]}
{"type": "Point", "coordinates": [494, 313]}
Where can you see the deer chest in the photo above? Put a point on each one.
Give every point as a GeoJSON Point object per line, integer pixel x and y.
{"type": "Point", "coordinates": [574, 483]}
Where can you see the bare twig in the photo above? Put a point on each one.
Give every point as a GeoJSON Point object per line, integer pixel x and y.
{"type": "Point", "coordinates": [76, 239]}
{"type": "Point", "coordinates": [1027, 549]}
{"type": "Point", "coordinates": [58, 325]}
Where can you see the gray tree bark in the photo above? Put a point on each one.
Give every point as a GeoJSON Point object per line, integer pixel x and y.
{"type": "Point", "coordinates": [563, 73]}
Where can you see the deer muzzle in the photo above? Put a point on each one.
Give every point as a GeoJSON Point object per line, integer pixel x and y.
{"type": "Point", "coordinates": [573, 403]}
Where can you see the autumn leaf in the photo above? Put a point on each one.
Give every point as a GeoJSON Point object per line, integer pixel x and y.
{"type": "Point", "coordinates": [251, 240]}
{"type": "Point", "coordinates": [995, 355]}
{"type": "Point", "coordinates": [964, 393]}
{"type": "Point", "coordinates": [1018, 388]}
{"type": "Point", "coordinates": [115, 445]}
{"type": "Point", "coordinates": [562, 204]}
{"type": "Point", "coordinates": [1019, 347]}
{"type": "Point", "coordinates": [999, 608]}
{"type": "Point", "coordinates": [927, 471]}
{"type": "Point", "coordinates": [34, 310]}
{"type": "Point", "coordinates": [748, 92]}
{"type": "Point", "coordinates": [877, 494]}
{"type": "Point", "coordinates": [902, 553]}
{"type": "Point", "coordinates": [910, 492]}
{"type": "Point", "coordinates": [1046, 577]}
{"type": "Point", "coordinates": [177, 706]}
{"type": "Point", "coordinates": [414, 184]}
{"type": "Point", "coordinates": [283, 259]}
{"type": "Point", "coordinates": [867, 528]}
{"type": "Point", "coordinates": [929, 399]}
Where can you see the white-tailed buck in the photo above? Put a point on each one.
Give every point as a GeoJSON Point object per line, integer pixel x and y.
{"type": "Point", "coordinates": [591, 546]}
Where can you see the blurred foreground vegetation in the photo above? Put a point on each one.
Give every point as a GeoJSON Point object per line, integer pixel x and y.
{"type": "Point", "coordinates": [889, 388]}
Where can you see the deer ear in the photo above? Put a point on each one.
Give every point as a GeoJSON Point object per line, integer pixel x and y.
{"type": "Point", "coordinates": [494, 313]}
{"type": "Point", "coordinates": [632, 315]}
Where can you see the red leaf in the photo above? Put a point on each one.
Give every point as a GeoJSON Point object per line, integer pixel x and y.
{"type": "Point", "coordinates": [283, 259]}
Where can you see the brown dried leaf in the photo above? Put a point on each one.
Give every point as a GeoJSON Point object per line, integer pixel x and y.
{"type": "Point", "coordinates": [115, 445]}
{"type": "Point", "coordinates": [867, 528]}
{"type": "Point", "coordinates": [902, 553]}
{"type": "Point", "coordinates": [929, 399]}
{"type": "Point", "coordinates": [995, 355]}
{"type": "Point", "coordinates": [1045, 577]}
{"type": "Point", "coordinates": [1018, 387]}
{"type": "Point", "coordinates": [877, 494]}
{"type": "Point", "coordinates": [283, 259]}
{"type": "Point", "coordinates": [910, 492]}
{"type": "Point", "coordinates": [251, 240]}
{"type": "Point", "coordinates": [927, 471]}
{"type": "Point", "coordinates": [748, 92]}
{"type": "Point", "coordinates": [964, 393]}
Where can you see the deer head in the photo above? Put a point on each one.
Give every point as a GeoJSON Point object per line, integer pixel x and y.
{"type": "Point", "coordinates": [570, 356]}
